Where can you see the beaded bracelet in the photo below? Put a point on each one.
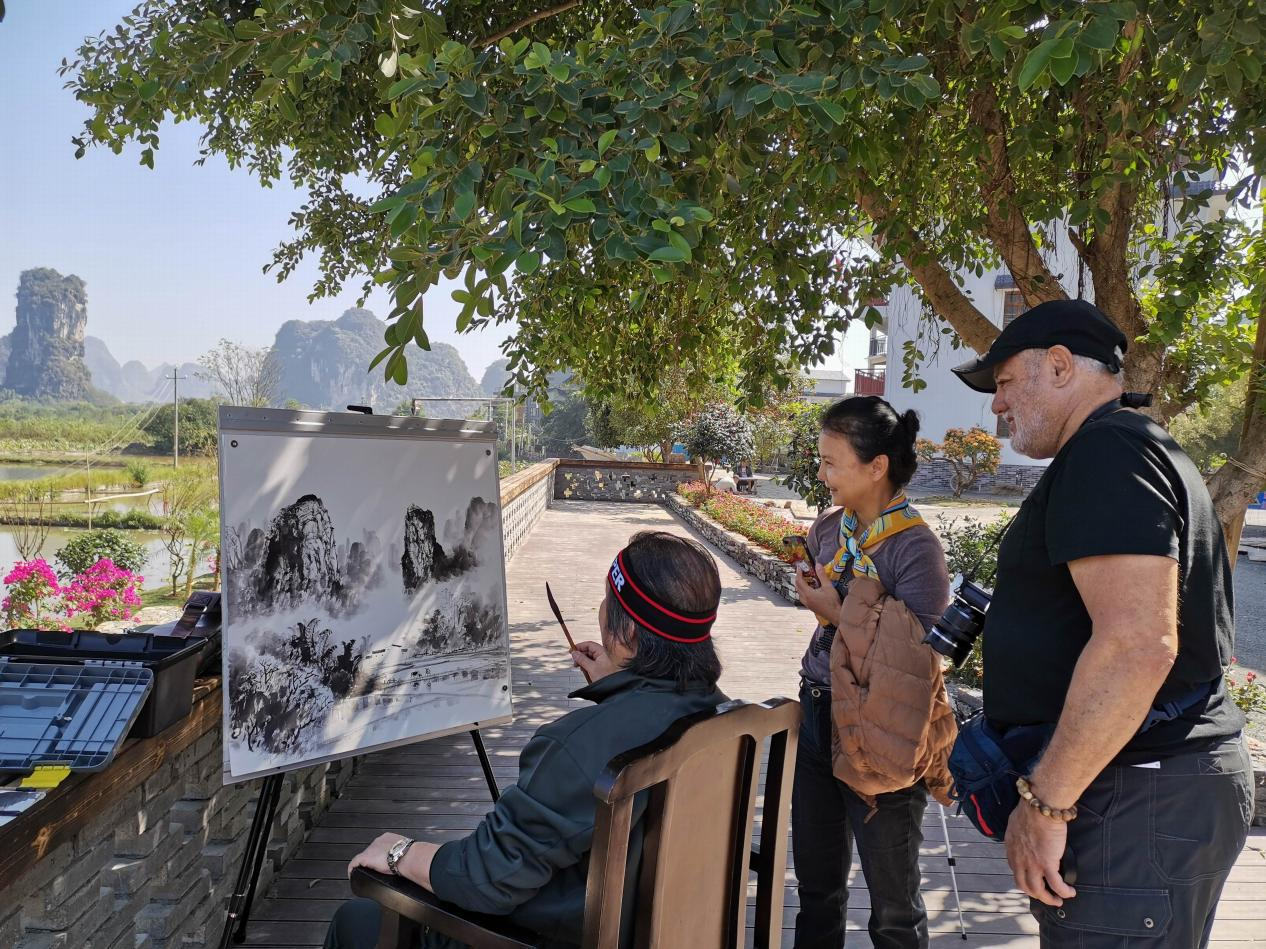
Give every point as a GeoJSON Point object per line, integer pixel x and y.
{"type": "Point", "coordinates": [1054, 813]}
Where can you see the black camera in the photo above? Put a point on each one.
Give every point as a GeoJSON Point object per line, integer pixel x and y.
{"type": "Point", "coordinates": [956, 631]}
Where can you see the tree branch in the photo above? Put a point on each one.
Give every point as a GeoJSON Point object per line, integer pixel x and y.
{"type": "Point", "coordinates": [527, 21]}
{"type": "Point", "coordinates": [950, 303]}
{"type": "Point", "coordinates": [1007, 227]}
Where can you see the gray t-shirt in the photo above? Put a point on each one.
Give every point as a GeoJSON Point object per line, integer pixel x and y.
{"type": "Point", "coordinates": [911, 567]}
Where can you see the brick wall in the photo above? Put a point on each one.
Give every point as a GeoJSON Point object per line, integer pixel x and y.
{"type": "Point", "coordinates": [1018, 480]}
{"type": "Point", "coordinates": [524, 498]}
{"type": "Point", "coordinates": [619, 481]}
{"type": "Point", "coordinates": [154, 864]}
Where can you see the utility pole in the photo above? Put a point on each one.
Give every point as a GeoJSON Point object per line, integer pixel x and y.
{"type": "Point", "coordinates": [514, 428]}
{"type": "Point", "coordinates": [88, 486]}
{"type": "Point", "coordinates": [175, 400]}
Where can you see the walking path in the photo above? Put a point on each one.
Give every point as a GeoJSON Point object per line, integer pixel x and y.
{"type": "Point", "coordinates": [435, 790]}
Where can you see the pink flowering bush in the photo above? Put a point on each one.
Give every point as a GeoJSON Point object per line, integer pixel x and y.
{"type": "Point", "coordinates": [102, 592]}
{"type": "Point", "coordinates": [37, 600]}
{"type": "Point", "coordinates": [1245, 691]}
{"type": "Point", "coordinates": [32, 584]}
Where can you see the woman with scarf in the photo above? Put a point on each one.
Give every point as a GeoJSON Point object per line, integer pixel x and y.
{"type": "Point", "coordinates": [877, 728]}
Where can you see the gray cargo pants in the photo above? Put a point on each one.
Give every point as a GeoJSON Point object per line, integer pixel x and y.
{"type": "Point", "coordinates": [1151, 849]}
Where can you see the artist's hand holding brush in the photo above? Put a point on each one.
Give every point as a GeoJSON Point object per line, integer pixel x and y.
{"type": "Point", "coordinates": [594, 660]}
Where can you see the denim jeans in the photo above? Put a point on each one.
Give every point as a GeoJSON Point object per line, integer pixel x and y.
{"type": "Point", "coordinates": [826, 817]}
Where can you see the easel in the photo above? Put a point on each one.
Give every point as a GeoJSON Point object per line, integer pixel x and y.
{"type": "Point", "coordinates": [257, 845]}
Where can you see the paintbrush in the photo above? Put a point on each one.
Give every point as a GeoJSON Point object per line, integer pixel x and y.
{"type": "Point", "coordinates": [549, 595]}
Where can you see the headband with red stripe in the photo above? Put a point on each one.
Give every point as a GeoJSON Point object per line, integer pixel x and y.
{"type": "Point", "coordinates": [678, 626]}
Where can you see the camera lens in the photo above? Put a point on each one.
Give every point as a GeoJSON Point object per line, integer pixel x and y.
{"type": "Point", "coordinates": [956, 631]}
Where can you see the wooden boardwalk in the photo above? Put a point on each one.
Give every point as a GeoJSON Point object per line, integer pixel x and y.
{"type": "Point", "coordinates": [435, 790]}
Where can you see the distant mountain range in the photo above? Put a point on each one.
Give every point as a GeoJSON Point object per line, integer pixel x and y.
{"type": "Point", "coordinates": [324, 363]}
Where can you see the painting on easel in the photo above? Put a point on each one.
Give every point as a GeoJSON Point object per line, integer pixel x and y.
{"type": "Point", "coordinates": [364, 583]}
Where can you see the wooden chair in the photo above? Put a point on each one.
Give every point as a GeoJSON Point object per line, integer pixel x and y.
{"type": "Point", "coordinates": [702, 777]}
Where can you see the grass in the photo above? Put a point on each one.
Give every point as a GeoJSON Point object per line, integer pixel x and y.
{"type": "Point", "coordinates": [161, 594]}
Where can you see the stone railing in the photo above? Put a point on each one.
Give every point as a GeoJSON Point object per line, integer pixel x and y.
{"type": "Point", "coordinates": [524, 497]}
{"type": "Point", "coordinates": [619, 481]}
{"type": "Point", "coordinates": [147, 851]}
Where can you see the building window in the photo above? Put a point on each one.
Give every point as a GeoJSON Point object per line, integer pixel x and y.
{"type": "Point", "coordinates": [1012, 306]}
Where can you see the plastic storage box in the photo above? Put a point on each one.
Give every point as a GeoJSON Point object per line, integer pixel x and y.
{"type": "Point", "coordinates": [173, 663]}
{"type": "Point", "coordinates": [74, 715]}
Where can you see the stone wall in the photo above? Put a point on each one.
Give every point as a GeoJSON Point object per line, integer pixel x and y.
{"type": "Point", "coordinates": [619, 481]}
{"type": "Point", "coordinates": [524, 498]}
{"type": "Point", "coordinates": [146, 853]}
{"type": "Point", "coordinates": [1017, 480]}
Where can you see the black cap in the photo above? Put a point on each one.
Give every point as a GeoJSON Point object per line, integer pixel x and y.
{"type": "Point", "coordinates": [1077, 324]}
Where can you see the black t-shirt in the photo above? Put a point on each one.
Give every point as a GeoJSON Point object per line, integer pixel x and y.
{"type": "Point", "coordinates": [1120, 485]}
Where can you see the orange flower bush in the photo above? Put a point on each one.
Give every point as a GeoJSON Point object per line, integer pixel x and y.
{"type": "Point", "coordinates": [970, 454]}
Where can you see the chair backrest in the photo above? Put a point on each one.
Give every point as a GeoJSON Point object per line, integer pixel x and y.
{"type": "Point", "coordinates": [702, 779]}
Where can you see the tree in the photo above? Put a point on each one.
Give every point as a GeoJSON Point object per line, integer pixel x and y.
{"type": "Point", "coordinates": [1209, 433]}
{"type": "Point", "coordinates": [103, 544]}
{"type": "Point", "coordinates": [198, 421]}
{"type": "Point", "coordinates": [715, 434]}
{"type": "Point", "coordinates": [715, 175]}
{"type": "Point", "coordinates": [139, 473]}
{"type": "Point", "coordinates": [30, 515]}
{"type": "Point", "coordinates": [969, 455]}
{"type": "Point", "coordinates": [566, 425]}
{"type": "Point", "coordinates": [243, 375]}
{"type": "Point", "coordinates": [187, 491]}
{"type": "Point", "coordinates": [202, 533]}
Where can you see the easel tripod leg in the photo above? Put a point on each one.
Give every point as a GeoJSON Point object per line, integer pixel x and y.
{"type": "Point", "coordinates": [252, 861]}
{"type": "Point", "coordinates": [485, 764]}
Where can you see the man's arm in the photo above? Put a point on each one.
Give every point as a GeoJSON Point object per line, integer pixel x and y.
{"type": "Point", "coordinates": [1132, 600]}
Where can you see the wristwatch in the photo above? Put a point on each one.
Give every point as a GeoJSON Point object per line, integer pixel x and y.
{"type": "Point", "coordinates": [396, 854]}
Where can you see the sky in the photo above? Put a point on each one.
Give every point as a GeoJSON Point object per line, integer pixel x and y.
{"type": "Point", "coordinates": [172, 258]}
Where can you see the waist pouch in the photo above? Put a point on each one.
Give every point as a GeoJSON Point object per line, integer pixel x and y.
{"type": "Point", "coordinates": [986, 760]}
{"type": "Point", "coordinates": [985, 763]}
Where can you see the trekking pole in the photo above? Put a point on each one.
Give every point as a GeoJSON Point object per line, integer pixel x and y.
{"type": "Point", "coordinates": [949, 858]}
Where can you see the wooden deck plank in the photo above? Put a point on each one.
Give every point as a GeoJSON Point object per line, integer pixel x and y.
{"type": "Point", "coordinates": [436, 790]}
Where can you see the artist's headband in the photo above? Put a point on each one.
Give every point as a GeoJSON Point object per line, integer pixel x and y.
{"type": "Point", "coordinates": [678, 626]}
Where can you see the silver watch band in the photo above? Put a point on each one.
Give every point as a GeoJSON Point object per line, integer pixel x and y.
{"type": "Point", "coordinates": [396, 854]}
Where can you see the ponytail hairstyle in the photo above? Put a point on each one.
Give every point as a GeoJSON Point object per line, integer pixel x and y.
{"type": "Point", "coordinates": [873, 428]}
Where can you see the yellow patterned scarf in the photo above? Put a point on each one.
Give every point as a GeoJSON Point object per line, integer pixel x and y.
{"type": "Point", "coordinates": [896, 517]}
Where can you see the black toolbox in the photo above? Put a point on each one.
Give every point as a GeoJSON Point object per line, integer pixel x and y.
{"type": "Point", "coordinates": [173, 662]}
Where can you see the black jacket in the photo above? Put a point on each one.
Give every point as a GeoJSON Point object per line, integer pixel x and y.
{"type": "Point", "coordinates": [529, 857]}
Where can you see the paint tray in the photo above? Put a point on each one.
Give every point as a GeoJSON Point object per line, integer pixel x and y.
{"type": "Point", "coordinates": [70, 715]}
{"type": "Point", "coordinates": [173, 662]}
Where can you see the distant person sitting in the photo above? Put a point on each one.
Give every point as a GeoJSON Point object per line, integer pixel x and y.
{"type": "Point", "coordinates": [528, 858]}
{"type": "Point", "coordinates": [744, 480]}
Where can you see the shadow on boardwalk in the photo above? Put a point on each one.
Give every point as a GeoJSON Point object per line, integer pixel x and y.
{"type": "Point", "coordinates": [435, 790]}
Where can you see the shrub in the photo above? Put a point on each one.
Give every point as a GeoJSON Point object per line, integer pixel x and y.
{"type": "Point", "coordinates": [754, 521]}
{"type": "Point", "coordinates": [102, 592]}
{"type": "Point", "coordinates": [139, 472]}
{"type": "Point", "coordinates": [104, 544]}
{"type": "Point", "coordinates": [1247, 693]}
{"type": "Point", "coordinates": [806, 425]}
{"type": "Point", "coordinates": [971, 548]}
{"type": "Point", "coordinates": [969, 454]}
{"type": "Point", "coordinates": [718, 432]}
{"type": "Point", "coordinates": [31, 583]}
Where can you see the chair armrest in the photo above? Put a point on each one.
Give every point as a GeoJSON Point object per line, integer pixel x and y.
{"type": "Point", "coordinates": [411, 901]}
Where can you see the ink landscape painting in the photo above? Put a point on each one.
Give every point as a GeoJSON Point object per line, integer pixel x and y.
{"type": "Point", "coordinates": [364, 594]}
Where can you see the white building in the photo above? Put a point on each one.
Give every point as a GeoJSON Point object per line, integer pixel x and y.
{"type": "Point", "coordinates": [945, 402]}
{"type": "Point", "coordinates": [828, 385]}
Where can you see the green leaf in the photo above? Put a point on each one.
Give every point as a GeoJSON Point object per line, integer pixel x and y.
{"type": "Point", "coordinates": [605, 140]}
{"type": "Point", "coordinates": [385, 125]}
{"type": "Point", "coordinates": [670, 254]}
{"type": "Point", "coordinates": [652, 151]}
{"type": "Point", "coordinates": [149, 89]}
{"type": "Point", "coordinates": [1062, 69]}
{"type": "Point", "coordinates": [834, 110]}
{"type": "Point", "coordinates": [463, 204]}
{"type": "Point", "coordinates": [1035, 63]}
{"type": "Point", "coordinates": [287, 108]}
{"type": "Point", "coordinates": [404, 87]}
{"type": "Point", "coordinates": [528, 262]}
{"type": "Point", "coordinates": [1100, 33]}
{"type": "Point", "coordinates": [247, 29]}
{"type": "Point", "coordinates": [580, 206]}
{"type": "Point", "coordinates": [559, 71]}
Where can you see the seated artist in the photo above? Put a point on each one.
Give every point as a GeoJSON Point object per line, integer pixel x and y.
{"type": "Point", "coordinates": [529, 857]}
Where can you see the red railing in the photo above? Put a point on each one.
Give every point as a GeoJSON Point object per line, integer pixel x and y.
{"type": "Point", "coordinates": [868, 382]}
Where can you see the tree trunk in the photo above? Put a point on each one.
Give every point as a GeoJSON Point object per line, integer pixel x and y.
{"type": "Point", "coordinates": [1235, 483]}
